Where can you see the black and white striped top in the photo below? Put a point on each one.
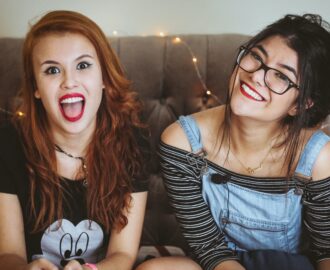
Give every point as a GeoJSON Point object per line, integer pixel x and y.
{"type": "Point", "coordinates": [207, 243]}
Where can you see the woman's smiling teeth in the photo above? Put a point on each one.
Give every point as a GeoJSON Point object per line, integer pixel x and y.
{"type": "Point", "coordinates": [247, 91]}
{"type": "Point", "coordinates": [72, 100]}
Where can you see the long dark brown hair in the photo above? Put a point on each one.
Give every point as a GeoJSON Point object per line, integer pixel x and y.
{"type": "Point", "coordinates": [113, 157]}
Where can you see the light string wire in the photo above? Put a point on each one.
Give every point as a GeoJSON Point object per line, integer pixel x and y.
{"type": "Point", "coordinates": [7, 112]}
{"type": "Point", "coordinates": [207, 91]}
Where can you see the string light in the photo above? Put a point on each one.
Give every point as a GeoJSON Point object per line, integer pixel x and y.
{"type": "Point", "coordinates": [161, 34]}
{"type": "Point", "coordinates": [18, 113]}
{"type": "Point", "coordinates": [207, 92]}
{"type": "Point", "coordinates": [177, 40]}
{"type": "Point", "coordinates": [118, 32]}
{"type": "Point", "coordinates": [5, 111]}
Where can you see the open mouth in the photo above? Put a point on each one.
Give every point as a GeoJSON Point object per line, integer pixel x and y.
{"type": "Point", "coordinates": [251, 93]}
{"type": "Point", "coordinates": [72, 106]}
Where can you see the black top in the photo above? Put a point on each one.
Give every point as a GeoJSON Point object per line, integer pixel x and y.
{"type": "Point", "coordinates": [78, 238]}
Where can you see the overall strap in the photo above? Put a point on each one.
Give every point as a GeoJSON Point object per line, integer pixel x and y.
{"type": "Point", "coordinates": [192, 132]}
{"type": "Point", "coordinates": [310, 153]}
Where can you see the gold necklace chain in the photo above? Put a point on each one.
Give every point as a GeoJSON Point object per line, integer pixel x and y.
{"type": "Point", "coordinates": [249, 169]}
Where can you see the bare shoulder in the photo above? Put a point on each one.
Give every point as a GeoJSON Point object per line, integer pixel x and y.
{"type": "Point", "coordinates": [174, 135]}
{"type": "Point", "coordinates": [321, 168]}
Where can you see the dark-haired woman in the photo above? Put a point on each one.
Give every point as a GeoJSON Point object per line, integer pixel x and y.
{"type": "Point", "coordinates": [250, 181]}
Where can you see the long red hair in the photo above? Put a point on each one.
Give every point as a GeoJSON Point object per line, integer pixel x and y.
{"type": "Point", "coordinates": [113, 156]}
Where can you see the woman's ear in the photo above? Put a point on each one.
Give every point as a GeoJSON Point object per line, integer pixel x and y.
{"type": "Point", "coordinates": [293, 111]}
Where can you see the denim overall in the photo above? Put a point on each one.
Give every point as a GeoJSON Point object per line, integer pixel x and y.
{"type": "Point", "coordinates": [254, 220]}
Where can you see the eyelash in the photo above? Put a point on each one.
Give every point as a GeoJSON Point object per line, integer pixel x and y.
{"type": "Point", "coordinates": [256, 56]}
{"type": "Point", "coordinates": [50, 71]}
{"type": "Point", "coordinates": [54, 70]}
{"type": "Point", "coordinates": [86, 64]}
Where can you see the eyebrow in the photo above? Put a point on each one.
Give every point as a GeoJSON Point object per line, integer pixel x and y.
{"type": "Point", "coordinates": [291, 69]}
{"type": "Point", "coordinates": [77, 59]}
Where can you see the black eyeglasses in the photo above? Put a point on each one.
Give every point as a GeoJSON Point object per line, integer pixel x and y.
{"type": "Point", "coordinates": [275, 80]}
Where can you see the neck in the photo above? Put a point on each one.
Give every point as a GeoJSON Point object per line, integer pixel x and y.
{"type": "Point", "coordinates": [71, 157]}
{"type": "Point", "coordinates": [249, 136]}
{"type": "Point", "coordinates": [75, 144]}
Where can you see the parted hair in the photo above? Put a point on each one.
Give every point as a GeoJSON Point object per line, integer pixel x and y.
{"type": "Point", "coordinates": [113, 157]}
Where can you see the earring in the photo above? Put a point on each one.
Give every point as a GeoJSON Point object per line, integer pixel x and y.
{"type": "Point", "coordinates": [37, 94]}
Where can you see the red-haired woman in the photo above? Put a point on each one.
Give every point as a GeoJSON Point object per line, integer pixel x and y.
{"type": "Point", "coordinates": [72, 177]}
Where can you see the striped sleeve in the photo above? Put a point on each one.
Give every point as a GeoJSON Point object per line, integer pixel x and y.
{"type": "Point", "coordinates": [317, 218]}
{"type": "Point", "coordinates": [184, 188]}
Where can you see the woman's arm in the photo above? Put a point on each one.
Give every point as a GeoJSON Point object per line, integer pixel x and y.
{"type": "Point", "coordinates": [324, 265]}
{"type": "Point", "coordinates": [12, 245]}
{"type": "Point", "coordinates": [12, 240]}
{"type": "Point", "coordinates": [229, 265]}
{"type": "Point", "coordinates": [321, 169]}
{"type": "Point", "coordinates": [124, 245]}
{"type": "Point", "coordinates": [318, 210]}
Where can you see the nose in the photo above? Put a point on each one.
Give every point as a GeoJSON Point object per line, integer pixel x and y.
{"type": "Point", "coordinates": [259, 76]}
{"type": "Point", "coordinates": [69, 80]}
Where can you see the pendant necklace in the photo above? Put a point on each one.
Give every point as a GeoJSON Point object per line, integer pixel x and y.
{"type": "Point", "coordinates": [82, 159]}
{"type": "Point", "coordinates": [249, 169]}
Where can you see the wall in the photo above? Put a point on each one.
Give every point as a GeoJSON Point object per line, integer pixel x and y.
{"type": "Point", "coordinates": [149, 17]}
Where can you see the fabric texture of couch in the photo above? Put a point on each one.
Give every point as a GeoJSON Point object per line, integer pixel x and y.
{"type": "Point", "coordinates": [163, 74]}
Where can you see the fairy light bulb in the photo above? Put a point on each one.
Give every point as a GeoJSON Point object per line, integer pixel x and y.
{"type": "Point", "coordinates": [208, 92]}
{"type": "Point", "coordinates": [115, 33]}
{"type": "Point", "coordinates": [20, 114]}
{"type": "Point", "coordinates": [194, 59]}
{"type": "Point", "coordinates": [177, 40]}
{"type": "Point", "coordinates": [161, 34]}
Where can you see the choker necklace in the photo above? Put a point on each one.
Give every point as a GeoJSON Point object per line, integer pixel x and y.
{"type": "Point", "coordinates": [249, 169]}
{"type": "Point", "coordinates": [82, 159]}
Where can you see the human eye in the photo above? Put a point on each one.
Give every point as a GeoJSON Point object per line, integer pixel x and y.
{"type": "Point", "coordinates": [52, 70]}
{"type": "Point", "coordinates": [255, 56]}
{"type": "Point", "coordinates": [83, 65]}
{"type": "Point", "coordinates": [280, 76]}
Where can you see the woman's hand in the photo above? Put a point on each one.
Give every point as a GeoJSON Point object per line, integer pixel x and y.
{"type": "Point", "coordinates": [41, 264]}
{"type": "Point", "coordinates": [75, 265]}
{"type": "Point", "coordinates": [229, 265]}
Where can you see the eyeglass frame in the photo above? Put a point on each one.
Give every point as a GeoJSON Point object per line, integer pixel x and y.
{"type": "Point", "coordinates": [266, 68]}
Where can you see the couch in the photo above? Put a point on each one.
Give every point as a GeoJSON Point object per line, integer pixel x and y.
{"type": "Point", "coordinates": [163, 73]}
